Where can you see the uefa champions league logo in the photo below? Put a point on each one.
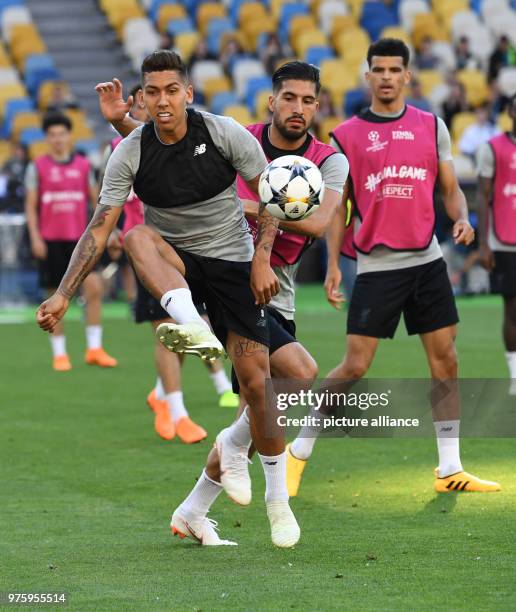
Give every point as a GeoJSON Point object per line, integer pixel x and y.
{"type": "Point", "coordinates": [374, 138]}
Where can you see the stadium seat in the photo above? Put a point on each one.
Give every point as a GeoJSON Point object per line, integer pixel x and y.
{"type": "Point", "coordinates": [248, 11]}
{"type": "Point", "coordinates": [5, 152]}
{"type": "Point", "coordinates": [240, 113]}
{"type": "Point", "coordinates": [186, 43]}
{"type": "Point", "coordinates": [397, 32]}
{"type": "Point", "coordinates": [462, 23]}
{"type": "Point", "coordinates": [262, 105]}
{"type": "Point", "coordinates": [253, 87]}
{"type": "Point", "coordinates": [459, 123]}
{"type": "Point", "coordinates": [34, 78]}
{"type": "Point", "coordinates": [425, 25]}
{"type": "Point", "coordinates": [429, 79]}
{"type": "Point", "coordinates": [243, 70]}
{"type": "Point", "coordinates": [288, 12]}
{"type": "Point", "coordinates": [30, 135]}
{"type": "Point", "coordinates": [9, 92]}
{"type": "Point", "coordinates": [305, 40]}
{"type": "Point", "coordinates": [375, 17]}
{"type": "Point", "coordinates": [223, 99]}
{"type": "Point", "coordinates": [215, 30]}
{"type": "Point", "coordinates": [503, 23]}
{"type": "Point", "coordinates": [341, 23]}
{"type": "Point", "coordinates": [337, 77]}
{"type": "Point", "coordinates": [5, 60]}
{"type": "Point", "coordinates": [37, 148]}
{"type": "Point", "coordinates": [356, 7]}
{"type": "Point", "coordinates": [38, 62]}
{"type": "Point", "coordinates": [136, 28]}
{"type": "Point", "coordinates": [329, 11]}
{"type": "Point", "coordinates": [253, 29]}
{"type": "Point", "coordinates": [12, 108]}
{"type": "Point", "coordinates": [215, 85]}
{"type": "Point", "coordinates": [8, 75]}
{"type": "Point", "coordinates": [117, 19]}
{"type": "Point", "coordinates": [354, 100]}
{"type": "Point", "coordinates": [12, 16]}
{"type": "Point", "coordinates": [477, 91]}
{"type": "Point", "coordinates": [208, 11]}
{"type": "Point", "coordinates": [46, 92]}
{"type": "Point", "coordinates": [507, 81]}
{"type": "Point", "coordinates": [315, 55]}
{"type": "Point", "coordinates": [167, 12]}
{"type": "Point", "coordinates": [327, 126]}
{"type": "Point", "coordinates": [352, 45]}
{"type": "Point", "coordinates": [178, 26]}
{"type": "Point", "coordinates": [300, 23]}
{"type": "Point", "coordinates": [204, 70]}
{"type": "Point", "coordinates": [481, 43]}
{"type": "Point", "coordinates": [24, 120]}
{"type": "Point", "coordinates": [408, 9]}
{"type": "Point", "coordinates": [445, 53]}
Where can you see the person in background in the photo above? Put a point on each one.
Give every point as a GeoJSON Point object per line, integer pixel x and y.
{"type": "Point", "coordinates": [425, 58]}
{"type": "Point", "coordinates": [456, 102]}
{"type": "Point", "coordinates": [478, 133]}
{"type": "Point", "coordinates": [417, 98]}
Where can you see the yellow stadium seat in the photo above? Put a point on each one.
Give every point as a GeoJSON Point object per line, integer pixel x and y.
{"type": "Point", "coordinates": [429, 79]}
{"type": "Point", "coordinates": [445, 9]}
{"type": "Point", "coordinates": [356, 8]}
{"type": "Point", "coordinates": [118, 18]}
{"type": "Point", "coordinates": [10, 91]}
{"type": "Point", "coordinates": [326, 126]}
{"type": "Point", "coordinates": [186, 43]}
{"type": "Point", "coordinates": [167, 12]}
{"type": "Point", "coordinates": [237, 35]}
{"type": "Point", "coordinates": [396, 32]}
{"type": "Point", "coordinates": [5, 151]}
{"type": "Point", "coordinates": [240, 113]}
{"type": "Point", "coordinates": [25, 120]}
{"type": "Point", "coordinates": [279, 63]}
{"type": "Point", "coordinates": [477, 91]}
{"type": "Point", "coordinates": [250, 11]}
{"type": "Point", "coordinates": [46, 91]}
{"type": "Point", "coordinates": [37, 149]}
{"type": "Point", "coordinates": [352, 45]}
{"type": "Point", "coordinates": [252, 29]}
{"type": "Point", "coordinates": [338, 78]}
{"type": "Point", "coordinates": [426, 25]}
{"type": "Point", "coordinates": [341, 23]}
{"type": "Point", "coordinates": [77, 117]}
{"type": "Point", "coordinates": [262, 105]}
{"type": "Point", "coordinates": [114, 5]}
{"type": "Point", "coordinates": [504, 122]}
{"type": "Point", "coordinates": [304, 40]}
{"type": "Point", "coordinates": [301, 23]}
{"type": "Point", "coordinates": [215, 85]}
{"type": "Point", "coordinates": [5, 60]}
{"type": "Point", "coordinates": [208, 11]}
{"type": "Point", "coordinates": [275, 7]}
{"type": "Point", "coordinates": [459, 123]}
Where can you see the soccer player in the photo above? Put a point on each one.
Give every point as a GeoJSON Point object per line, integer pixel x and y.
{"type": "Point", "coordinates": [396, 154]}
{"type": "Point", "coordinates": [497, 227]}
{"type": "Point", "coordinates": [60, 187]}
{"type": "Point", "coordinates": [194, 247]}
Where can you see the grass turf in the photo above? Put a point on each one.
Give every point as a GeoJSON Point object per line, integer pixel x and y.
{"type": "Point", "coordinates": [88, 488]}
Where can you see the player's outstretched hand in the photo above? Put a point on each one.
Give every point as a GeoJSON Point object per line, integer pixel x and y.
{"type": "Point", "coordinates": [486, 258]}
{"type": "Point", "coordinates": [463, 233]}
{"type": "Point", "coordinates": [332, 287]}
{"type": "Point", "coordinates": [111, 99]}
{"type": "Point", "coordinates": [264, 283]}
{"type": "Point", "coordinates": [52, 311]}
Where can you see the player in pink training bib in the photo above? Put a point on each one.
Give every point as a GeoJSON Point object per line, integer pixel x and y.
{"type": "Point", "coordinates": [60, 187]}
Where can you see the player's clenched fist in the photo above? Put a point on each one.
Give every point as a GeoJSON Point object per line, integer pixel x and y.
{"type": "Point", "coordinates": [52, 311]}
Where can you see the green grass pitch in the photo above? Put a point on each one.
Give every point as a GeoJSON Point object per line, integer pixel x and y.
{"type": "Point", "coordinates": [87, 489]}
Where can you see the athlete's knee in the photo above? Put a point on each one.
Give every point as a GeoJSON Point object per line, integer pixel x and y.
{"type": "Point", "coordinates": [355, 366]}
{"type": "Point", "coordinates": [252, 386]}
{"type": "Point", "coordinates": [92, 288]}
{"type": "Point", "coordinates": [138, 237]}
{"type": "Point", "coordinates": [305, 368]}
{"type": "Point", "coordinates": [444, 361]}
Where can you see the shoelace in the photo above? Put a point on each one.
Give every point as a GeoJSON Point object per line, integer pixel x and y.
{"type": "Point", "coordinates": [240, 462]}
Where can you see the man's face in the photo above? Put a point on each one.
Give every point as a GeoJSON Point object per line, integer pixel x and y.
{"type": "Point", "coordinates": [166, 96]}
{"type": "Point", "coordinates": [59, 139]}
{"type": "Point", "coordinates": [387, 77]}
{"type": "Point", "coordinates": [293, 108]}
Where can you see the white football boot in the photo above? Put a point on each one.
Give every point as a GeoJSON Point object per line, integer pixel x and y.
{"type": "Point", "coordinates": [234, 471]}
{"type": "Point", "coordinates": [191, 338]}
{"type": "Point", "coordinates": [202, 530]}
{"type": "Point", "coordinates": [285, 531]}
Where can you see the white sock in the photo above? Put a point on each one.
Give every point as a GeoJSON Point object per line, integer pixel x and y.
{"type": "Point", "coordinates": [94, 336]}
{"type": "Point", "coordinates": [58, 344]}
{"type": "Point", "coordinates": [240, 432]}
{"type": "Point", "coordinates": [301, 448]}
{"type": "Point", "coordinates": [511, 362]}
{"type": "Point", "coordinates": [275, 470]}
{"type": "Point", "coordinates": [220, 381]}
{"type": "Point", "coordinates": [160, 391]}
{"type": "Point", "coordinates": [447, 433]}
{"type": "Point", "coordinates": [178, 303]}
{"type": "Point", "coordinates": [202, 496]}
{"type": "Point", "coordinates": [176, 405]}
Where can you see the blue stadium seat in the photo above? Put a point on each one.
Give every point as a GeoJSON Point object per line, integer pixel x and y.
{"type": "Point", "coordinates": [12, 108]}
{"type": "Point", "coordinates": [221, 100]}
{"type": "Point", "coordinates": [315, 55]}
{"type": "Point", "coordinates": [34, 79]}
{"type": "Point", "coordinates": [376, 16]}
{"type": "Point", "coordinates": [287, 12]}
{"type": "Point", "coordinates": [30, 135]}
{"type": "Point", "coordinates": [254, 86]}
{"type": "Point", "coordinates": [216, 28]}
{"type": "Point", "coordinates": [178, 26]}
{"type": "Point", "coordinates": [6, 3]}
{"type": "Point", "coordinates": [156, 5]}
{"type": "Point", "coordinates": [38, 61]}
{"type": "Point", "coordinates": [354, 100]}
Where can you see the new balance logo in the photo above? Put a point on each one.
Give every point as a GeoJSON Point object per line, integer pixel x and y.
{"type": "Point", "coordinates": [271, 462]}
{"type": "Point", "coordinates": [199, 149]}
{"type": "Point", "coordinates": [168, 302]}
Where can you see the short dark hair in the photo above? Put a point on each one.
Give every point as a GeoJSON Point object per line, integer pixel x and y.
{"type": "Point", "coordinates": [389, 47]}
{"type": "Point", "coordinates": [56, 119]}
{"type": "Point", "coordinates": [297, 71]}
{"type": "Point", "coordinates": [162, 60]}
{"type": "Point", "coordinates": [135, 89]}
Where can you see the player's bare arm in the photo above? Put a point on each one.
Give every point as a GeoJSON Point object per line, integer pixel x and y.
{"type": "Point", "coordinates": [37, 244]}
{"type": "Point", "coordinates": [455, 204]}
{"type": "Point", "coordinates": [485, 192]}
{"type": "Point", "coordinates": [334, 239]}
{"type": "Point", "coordinates": [114, 108]}
{"type": "Point", "coordinates": [86, 254]}
{"type": "Point", "coordinates": [264, 283]}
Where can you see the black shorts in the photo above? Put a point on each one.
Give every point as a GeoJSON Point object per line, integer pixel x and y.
{"type": "Point", "coordinates": [503, 276]}
{"type": "Point", "coordinates": [53, 268]}
{"type": "Point", "coordinates": [148, 308]}
{"type": "Point", "coordinates": [422, 293]}
{"type": "Point", "coordinates": [225, 288]}
{"type": "Point", "coordinates": [282, 331]}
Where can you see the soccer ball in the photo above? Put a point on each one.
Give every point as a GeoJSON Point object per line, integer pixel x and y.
{"type": "Point", "coordinates": [291, 187]}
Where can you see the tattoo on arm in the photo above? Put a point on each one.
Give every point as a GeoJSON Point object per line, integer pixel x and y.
{"type": "Point", "coordinates": [267, 228]}
{"type": "Point", "coordinates": [85, 255]}
{"type": "Point", "coordinates": [249, 348]}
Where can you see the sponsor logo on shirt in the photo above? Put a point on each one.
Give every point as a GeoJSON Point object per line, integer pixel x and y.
{"type": "Point", "coordinates": [410, 172]}
{"type": "Point", "coordinates": [73, 173]}
{"type": "Point", "coordinates": [402, 135]}
{"type": "Point", "coordinates": [374, 138]}
{"type": "Point", "coordinates": [199, 149]}
{"type": "Point", "coordinates": [48, 197]}
{"type": "Point", "coordinates": [402, 192]}
{"type": "Point", "coordinates": [509, 189]}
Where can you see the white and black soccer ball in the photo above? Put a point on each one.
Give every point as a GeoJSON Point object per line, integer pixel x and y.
{"type": "Point", "coordinates": [291, 187]}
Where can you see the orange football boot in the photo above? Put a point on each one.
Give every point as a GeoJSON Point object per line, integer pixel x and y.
{"type": "Point", "coordinates": [189, 432]}
{"type": "Point", "coordinates": [153, 402]}
{"type": "Point", "coordinates": [163, 423]}
{"type": "Point", "coordinates": [61, 363]}
{"type": "Point", "coordinates": [99, 357]}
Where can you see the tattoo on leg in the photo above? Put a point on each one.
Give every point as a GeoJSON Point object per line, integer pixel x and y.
{"type": "Point", "coordinates": [248, 348]}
